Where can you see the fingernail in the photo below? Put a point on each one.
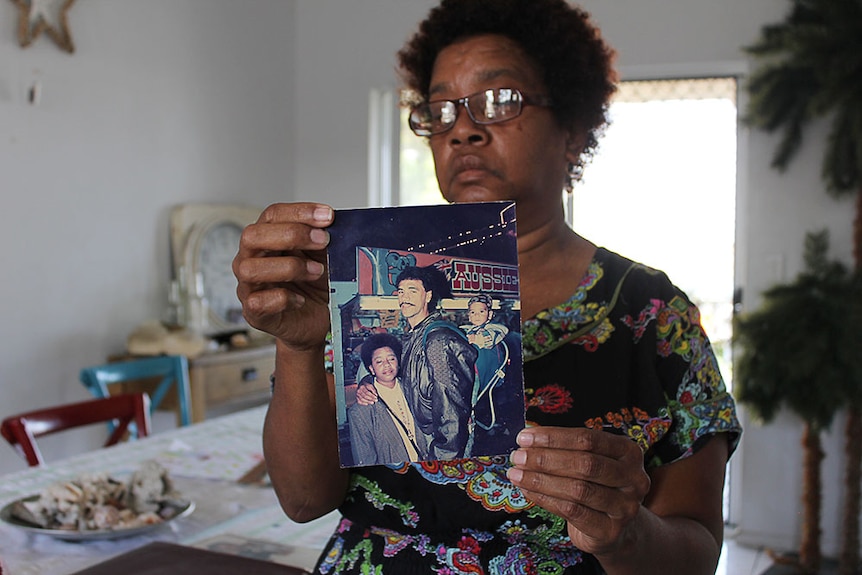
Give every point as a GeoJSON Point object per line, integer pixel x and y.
{"type": "Point", "coordinates": [319, 236]}
{"type": "Point", "coordinates": [322, 213]}
{"type": "Point", "coordinates": [525, 439]}
{"type": "Point", "coordinates": [519, 457]}
{"type": "Point", "coordinates": [314, 268]}
{"type": "Point", "coordinates": [514, 474]}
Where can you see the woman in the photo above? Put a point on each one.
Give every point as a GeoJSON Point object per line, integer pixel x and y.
{"type": "Point", "coordinates": [623, 469]}
{"type": "Point", "coordinates": [385, 431]}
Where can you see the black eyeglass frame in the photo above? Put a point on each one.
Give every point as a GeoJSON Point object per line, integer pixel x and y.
{"type": "Point", "coordinates": [522, 100]}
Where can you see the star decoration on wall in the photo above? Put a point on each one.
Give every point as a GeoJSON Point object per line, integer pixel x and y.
{"type": "Point", "coordinates": [50, 16]}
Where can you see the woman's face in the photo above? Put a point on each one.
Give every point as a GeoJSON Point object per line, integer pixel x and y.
{"type": "Point", "coordinates": [384, 365]}
{"type": "Point", "coordinates": [522, 159]}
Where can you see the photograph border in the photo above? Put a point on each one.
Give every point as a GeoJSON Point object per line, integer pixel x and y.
{"type": "Point", "coordinates": [474, 246]}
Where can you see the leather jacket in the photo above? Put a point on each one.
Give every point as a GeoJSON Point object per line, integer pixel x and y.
{"type": "Point", "coordinates": [438, 371]}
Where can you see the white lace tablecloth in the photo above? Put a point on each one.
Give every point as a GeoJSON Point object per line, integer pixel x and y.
{"type": "Point", "coordinates": [205, 461]}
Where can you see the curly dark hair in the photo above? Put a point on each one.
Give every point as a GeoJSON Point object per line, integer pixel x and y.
{"type": "Point", "coordinates": [575, 62]}
{"type": "Point", "coordinates": [432, 279]}
{"type": "Point", "coordinates": [375, 342]}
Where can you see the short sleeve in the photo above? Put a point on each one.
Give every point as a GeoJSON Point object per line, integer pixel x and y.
{"type": "Point", "coordinates": [698, 402]}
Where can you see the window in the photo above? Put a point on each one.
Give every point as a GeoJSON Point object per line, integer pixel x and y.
{"type": "Point", "coordinates": [417, 183]}
{"type": "Point", "coordinates": [662, 190]}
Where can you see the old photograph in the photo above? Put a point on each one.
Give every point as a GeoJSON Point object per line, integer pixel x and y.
{"type": "Point", "coordinates": [426, 332]}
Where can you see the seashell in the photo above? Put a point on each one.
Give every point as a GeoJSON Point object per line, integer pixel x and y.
{"type": "Point", "coordinates": [105, 517]}
{"type": "Point", "coordinates": [32, 512]}
{"type": "Point", "coordinates": [100, 502]}
{"type": "Point", "coordinates": [148, 518]}
{"type": "Point", "coordinates": [148, 487]}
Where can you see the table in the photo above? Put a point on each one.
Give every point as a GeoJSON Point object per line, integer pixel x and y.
{"type": "Point", "coordinates": [205, 460]}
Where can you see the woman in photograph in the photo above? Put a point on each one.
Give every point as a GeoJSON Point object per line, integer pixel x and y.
{"type": "Point", "coordinates": [385, 431]}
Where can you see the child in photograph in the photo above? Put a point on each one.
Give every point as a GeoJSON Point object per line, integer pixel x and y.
{"type": "Point", "coordinates": [480, 331]}
{"type": "Point", "coordinates": [385, 431]}
{"type": "Point", "coordinates": [487, 337]}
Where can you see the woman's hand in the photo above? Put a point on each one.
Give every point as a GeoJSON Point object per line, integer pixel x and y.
{"type": "Point", "coordinates": [280, 268]}
{"type": "Point", "coordinates": [595, 480]}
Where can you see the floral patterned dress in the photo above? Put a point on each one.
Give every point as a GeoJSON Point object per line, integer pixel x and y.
{"type": "Point", "coordinates": [626, 353]}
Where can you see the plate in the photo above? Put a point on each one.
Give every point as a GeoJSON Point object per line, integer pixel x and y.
{"type": "Point", "coordinates": [7, 517]}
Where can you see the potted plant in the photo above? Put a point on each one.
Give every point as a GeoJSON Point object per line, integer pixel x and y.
{"type": "Point", "coordinates": [799, 350]}
{"type": "Point", "coordinates": [811, 68]}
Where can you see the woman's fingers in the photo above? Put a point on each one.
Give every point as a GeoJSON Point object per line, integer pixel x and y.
{"type": "Point", "coordinates": [277, 269]}
{"type": "Point", "coordinates": [593, 479]}
{"type": "Point", "coordinates": [319, 215]}
{"type": "Point", "coordinates": [598, 456]}
{"type": "Point", "coordinates": [281, 271]}
{"type": "Point", "coordinates": [276, 238]}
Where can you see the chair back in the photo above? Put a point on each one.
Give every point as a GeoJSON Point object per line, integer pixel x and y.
{"type": "Point", "coordinates": [172, 369]}
{"type": "Point", "coordinates": [22, 430]}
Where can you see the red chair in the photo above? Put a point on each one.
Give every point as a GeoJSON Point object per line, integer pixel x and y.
{"type": "Point", "coordinates": [22, 430]}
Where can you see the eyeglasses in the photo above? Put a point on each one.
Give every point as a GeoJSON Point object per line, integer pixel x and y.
{"type": "Point", "coordinates": [485, 107]}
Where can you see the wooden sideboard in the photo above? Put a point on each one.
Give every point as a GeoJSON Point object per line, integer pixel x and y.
{"type": "Point", "coordinates": [237, 377]}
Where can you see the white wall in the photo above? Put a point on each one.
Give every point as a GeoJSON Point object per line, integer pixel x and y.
{"type": "Point", "coordinates": [343, 51]}
{"type": "Point", "coordinates": [164, 102]}
{"type": "Point", "coordinates": [179, 100]}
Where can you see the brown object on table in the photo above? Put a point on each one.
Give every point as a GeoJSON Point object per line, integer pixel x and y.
{"type": "Point", "coordinates": [238, 377]}
{"type": "Point", "coordinates": [162, 558]}
{"type": "Point", "coordinates": [254, 475]}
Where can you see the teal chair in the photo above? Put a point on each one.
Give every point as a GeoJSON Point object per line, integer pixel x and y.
{"type": "Point", "coordinates": [173, 369]}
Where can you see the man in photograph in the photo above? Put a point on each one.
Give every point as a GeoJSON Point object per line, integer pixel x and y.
{"type": "Point", "coordinates": [438, 364]}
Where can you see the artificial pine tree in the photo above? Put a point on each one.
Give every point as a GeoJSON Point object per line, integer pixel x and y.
{"type": "Point", "coordinates": [798, 350]}
{"type": "Point", "coordinates": [811, 67]}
